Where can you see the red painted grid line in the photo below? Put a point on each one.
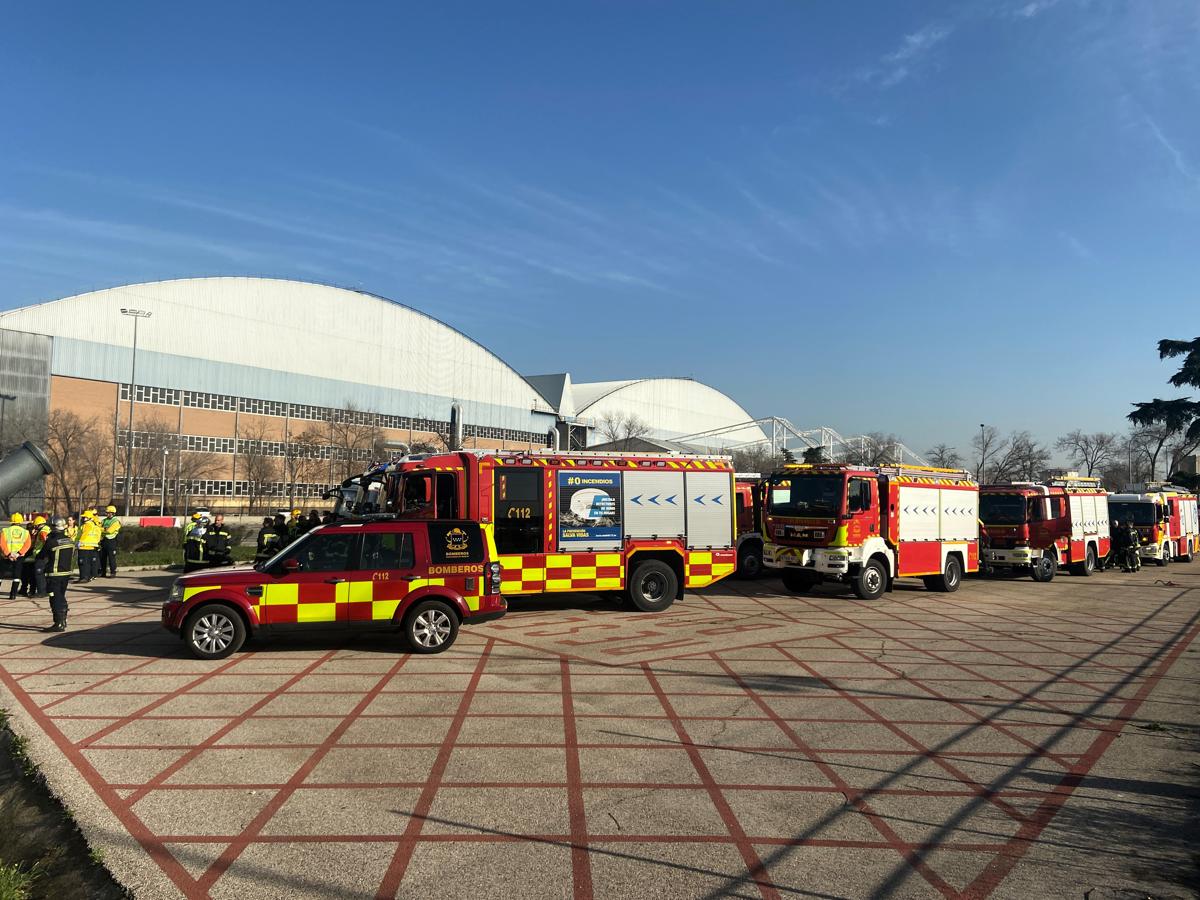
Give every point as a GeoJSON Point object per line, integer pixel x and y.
{"type": "Point", "coordinates": [256, 825]}
{"type": "Point", "coordinates": [581, 866]}
{"type": "Point", "coordinates": [754, 865]}
{"type": "Point", "coordinates": [398, 866]}
{"type": "Point", "coordinates": [196, 749]}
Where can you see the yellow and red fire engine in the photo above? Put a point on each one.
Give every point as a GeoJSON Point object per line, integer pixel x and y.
{"type": "Point", "coordinates": [1165, 517]}
{"type": "Point", "coordinates": [648, 524]}
{"type": "Point", "coordinates": [867, 525]}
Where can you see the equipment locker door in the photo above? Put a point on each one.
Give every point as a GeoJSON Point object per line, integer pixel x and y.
{"type": "Point", "coordinates": [654, 504]}
{"type": "Point", "coordinates": [709, 509]}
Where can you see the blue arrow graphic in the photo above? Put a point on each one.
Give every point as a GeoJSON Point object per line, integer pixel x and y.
{"type": "Point", "coordinates": [637, 499]}
{"type": "Point", "coordinates": [671, 499]}
{"type": "Point", "coordinates": [717, 500]}
{"type": "Point", "coordinates": [700, 499]}
{"type": "Point", "coordinates": [654, 500]}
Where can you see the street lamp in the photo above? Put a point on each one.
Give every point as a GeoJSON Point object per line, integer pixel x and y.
{"type": "Point", "coordinates": [4, 398]}
{"type": "Point", "coordinates": [162, 501]}
{"type": "Point", "coordinates": [982, 451]}
{"type": "Point", "coordinates": [136, 314]}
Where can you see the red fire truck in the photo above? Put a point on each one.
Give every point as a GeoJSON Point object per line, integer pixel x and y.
{"type": "Point", "coordinates": [866, 525]}
{"type": "Point", "coordinates": [749, 525]}
{"type": "Point", "coordinates": [1165, 517]}
{"type": "Point", "coordinates": [1043, 526]}
{"type": "Point", "coordinates": [647, 524]}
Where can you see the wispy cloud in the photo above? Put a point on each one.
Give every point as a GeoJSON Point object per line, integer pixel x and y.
{"type": "Point", "coordinates": [1078, 247]}
{"type": "Point", "coordinates": [1181, 163]}
{"type": "Point", "coordinates": [1032, 8]}
{"type": "Point", "coordinates": [908, 58]}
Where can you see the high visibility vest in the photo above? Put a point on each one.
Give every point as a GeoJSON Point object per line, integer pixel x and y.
{"type": "Point", "coordinates": [111, 527]}
{"type": "Point", "coordinates": [72, 532]}
{"type": "Point", "coordinates": [40, 537]}
{"type": "Point", "coordinates": [89, 535]}
{"type": "Point", "coordinates": [14, 539]}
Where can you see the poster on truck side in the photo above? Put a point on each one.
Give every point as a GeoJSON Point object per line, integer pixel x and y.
{"type": "Point", "coordinates": [589, 510]}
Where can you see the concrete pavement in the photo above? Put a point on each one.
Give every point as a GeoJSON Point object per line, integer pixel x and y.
{"type": "Point", "coordinates": [1009, 740]}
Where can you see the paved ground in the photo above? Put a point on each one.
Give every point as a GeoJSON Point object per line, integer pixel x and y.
{"type": "Point", "coordinates": [1010, 740]}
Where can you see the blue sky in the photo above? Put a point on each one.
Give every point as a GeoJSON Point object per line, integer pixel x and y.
{"type": "Point", "coordinates": [905, 217]}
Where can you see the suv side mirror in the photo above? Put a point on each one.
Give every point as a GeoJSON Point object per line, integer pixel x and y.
{"type": "Point", "coordinates": [291, 565]}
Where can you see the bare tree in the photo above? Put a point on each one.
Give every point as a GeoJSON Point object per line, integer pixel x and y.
{"type": "Point", "coordinates": [944, 456]}
{"type": "Point", "coordinates": [192, 467]}
{"type": "Point", "coordinates": [757, 458]}
{"type": "Point", "coordinates": [69, 441]}
{"type": "Point", "coordinates": [1090, 452]}
{"type": "Point", "coordinates": [623, 429]}
{"type": "Point", "coordinates": [875, 449]}
{"type": "Point", "coordinates": [1023, 459]}
{"type": "Point", "coordinates": [987, 444]}
{"type": "Point", "coordinates": [1148, 443]}
{"type": "Point", "coordinates": [259, 468]}
{"type": "Point", "coordinates": [302, 460]}
{"type": "Point", "coordinates": [353, 439]}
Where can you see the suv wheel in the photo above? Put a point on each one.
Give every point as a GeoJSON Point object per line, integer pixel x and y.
{"type": "Point", "coordinates": [431, 626]}
{"type": "Point", "coordinates": [653, 586]}
{"type": "Point", "coordinates": [214, 631]}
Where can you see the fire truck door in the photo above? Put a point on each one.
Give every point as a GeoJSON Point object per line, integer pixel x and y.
{"type": "Point", "coordinates": [862, 511]}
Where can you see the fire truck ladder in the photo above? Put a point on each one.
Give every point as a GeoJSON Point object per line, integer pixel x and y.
{"type": "Point", "coordinates": [783, 435]}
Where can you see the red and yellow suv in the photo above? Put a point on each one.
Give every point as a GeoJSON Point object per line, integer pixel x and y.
{"type": "Point", "coordinates": [424, 577]}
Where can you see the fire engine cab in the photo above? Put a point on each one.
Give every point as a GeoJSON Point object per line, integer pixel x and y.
{"type": "Point", "coordinates": [1165, 518]}
{"type": "Point", "coordinates": [749, 525]}
{"type": "Point", "coordinates": [649, 525]}
{"type": "Point", "coordinates": [867, 525]}
{"type": "Point", "coordinates": [1043, 526]}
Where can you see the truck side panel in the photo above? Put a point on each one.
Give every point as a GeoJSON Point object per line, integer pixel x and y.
{"type": "Point", "coordinates": [654, 504]}
{"type": "Point", "coordinates": [709, 509]}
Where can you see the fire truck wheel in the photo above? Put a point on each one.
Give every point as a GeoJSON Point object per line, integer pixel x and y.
{"type": "Point", "coordinates": [1165, 556]}
{"type": "Point", "coordinates": [214, 632]}
{"type": "Point", "coordinates": [871, 581]}
{"type": "Point", "coordinates": [750, 564]}
{"type": "Point", "coordinates": [653, 586]}
{"type": "Point", "coordinates": [1045, 568]}
{"type": "Point", "coordinates": [430, 627]}
{"type": "Point", "coordinates": [949, 580]}
{"type": "Point", "coordinates": [798, 582]}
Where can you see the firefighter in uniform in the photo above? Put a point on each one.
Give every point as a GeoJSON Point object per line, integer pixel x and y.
{"type": "Point", "coordinates": [34, 584]}
{"type": "Point", "coordinates": [268, 540]}
{"type": "Point", "coordinates": [57, 558]}
{"type": "Point", "coordinates": [110, 527]}
{"type": "Point", "coordinates": [15, 543]}
{"type": "Point", "coordinates": [193, 545]}
{"type": "Point", "coordinates": [218, 542]}
{"type": "Point", "coordinates": [90, 534]}
{"type": "Point", "coordinates": [296, 525]}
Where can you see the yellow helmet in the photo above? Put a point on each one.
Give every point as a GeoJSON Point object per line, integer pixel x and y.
{"type": "Point", "coordinates": [17, 519]}
{"type": "Point", "coordinates": [110, 509]}
{"type": "Point", "coordinates": [296, 512]}
{"type": "Point", "coordinates": [39, 520]}
{"type": "Point", "coordinates": [196, 516]}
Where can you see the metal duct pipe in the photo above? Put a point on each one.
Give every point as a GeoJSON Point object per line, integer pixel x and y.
{"type": "Point", "coordinates": [25, 464]}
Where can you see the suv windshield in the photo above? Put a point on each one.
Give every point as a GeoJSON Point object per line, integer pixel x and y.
{"type": "Point", "coordinates": [1002, 509]}
{"type": "Point", "coordinates": [1135, 511]}
{"type": "Point", "coordinates": [805, 495]}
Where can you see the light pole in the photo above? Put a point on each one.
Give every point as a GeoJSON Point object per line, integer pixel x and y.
{"type": "Point", "coordinates": [162, 501]}
{"type": "Point", "coordinates": [136, 314]}
{"type": "Point", "coordinates": [982, 451]}
{"type": "Point", "coordinates": [4, 398]}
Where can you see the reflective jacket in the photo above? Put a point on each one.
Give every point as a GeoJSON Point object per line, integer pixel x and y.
{"type": "Point", "coordinates": [39, 539]}
{"type": "Point", "coordinates": [193, 545]}
{"type": "Point", "coordinates": [268, 542]}
{"type": "Point", "coordinates": [111, 527]}
{"type": "Point", "coordinates": [58, 555]}
{"type": "Point", "coordinates": [72, 532]}
{"type": "Point", "coordinates": [218, 543]}
{"type": "Point", "coordinates": [14, 541]}
{"type": "Point", "coordinates": [89, 535]}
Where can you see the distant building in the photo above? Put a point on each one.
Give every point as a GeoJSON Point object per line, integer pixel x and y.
{"type": "Point", "coordinates": [233, 370]}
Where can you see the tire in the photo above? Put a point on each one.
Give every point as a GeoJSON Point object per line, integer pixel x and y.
{"type": "Point", "coordinates": [1088, 566]}
{"type": "Point", "coordinates": [214, 631]}
{"type": "Point", "coordinates": [431, 626]}
{"type": "Point", "coordinates": [1045, 568]}
{"type": "Point", "coordinates": [871, 581]}
{"type": "Point", "coordinates": [798, 581]}
{"type": "Point", "coordinates": [653, 586]}
{"type": "Point", "coordinates": [1164, 557]}
{"type": "Point", "coordinates": [1187, 557]}
{"type": "Point", "coordinates": [949, 581]}
{"type": "Point", "coordinates": [750, 562]}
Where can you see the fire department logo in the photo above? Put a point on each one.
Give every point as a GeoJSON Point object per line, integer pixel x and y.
{"type": "Point", "coordinates": [457, 540]}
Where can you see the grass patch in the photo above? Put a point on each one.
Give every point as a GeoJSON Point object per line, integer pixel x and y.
{"type": "Point", "coordinates": [42, 851]}
{"type": "Point", "coordinates": [171, 557]}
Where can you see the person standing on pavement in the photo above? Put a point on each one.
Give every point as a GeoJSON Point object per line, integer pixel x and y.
{"type": "Point", "coordinates": [296, 525]}
{"type": "Point", "coordinates": [193, 544]}
{"type": "Point", "coordinates": [57, 559]}
{"type": "Point", "coordinates": [15, 543]}
{"type": "Point", "coordinates": [90, 534]}
{"type": "Point", "coordinates": [218, 542]}
{"type": "Point", "coordinates": [110, 527]}
{"type": "Point", "coordinates": [72, 529]}
{"type": "Point", "coordinates": [33, 579]}
{"type": "Point", "coordinates": [268, 541]}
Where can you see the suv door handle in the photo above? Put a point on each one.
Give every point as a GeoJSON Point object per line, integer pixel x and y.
{"type": "Point", "coordinates": [409, 577]}
{"type": "Point", "coordinates": [254, 591]}
{"type": "Point", "coordinates": [335, 580]}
